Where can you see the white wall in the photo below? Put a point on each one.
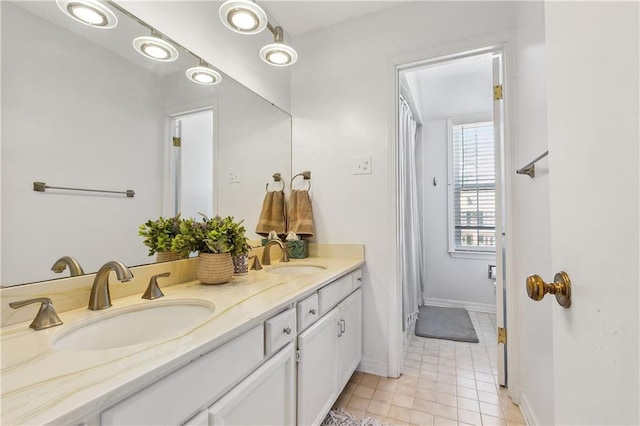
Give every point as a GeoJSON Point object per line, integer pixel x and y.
{"type": "Point", "coordinates": [531, 217]}
{"type": "Point", "coordinates": [448, 280]}
{"type": "Point", "coordinates": [342, 107]}
{"type": "Point", "coordinates": [50, 140]}
{"type": "Point", "coordinates": [195, 24]}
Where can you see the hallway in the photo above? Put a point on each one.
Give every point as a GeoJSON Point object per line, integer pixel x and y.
{"type": "Point", "coordinates": [444, 383]}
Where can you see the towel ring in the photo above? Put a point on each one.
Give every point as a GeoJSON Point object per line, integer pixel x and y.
{"type": "Point", "coordinates": [277, 177]}
{"type": "Point", "coordinates": [306, 175]}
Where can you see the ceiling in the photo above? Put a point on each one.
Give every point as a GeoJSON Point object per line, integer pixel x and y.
{"type": "Point", "coordinates": [298, 17]}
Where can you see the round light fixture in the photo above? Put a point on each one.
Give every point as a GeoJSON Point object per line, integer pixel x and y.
{"type": "Point", "coordinates": [155, 48]}
{"type": "Point", "coordinates": [278, 54]}
{"type": "Point", "coordinates": [243, 16]}
{"type": "Point", "coordinates": [89, 12]}
{"type": "Point", "coordinates": [204, 75]}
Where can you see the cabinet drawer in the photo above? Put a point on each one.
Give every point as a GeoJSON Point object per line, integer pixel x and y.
{"type": "Point", "coordinates": [357, 278]}
{"type": "Point", "coordinates": [279, 330]}
{"type": "Point", "coordinates": [330, 295]}
{"type": "Point", "coordinates": [308, 311]}
{"type": "Point", "coordinates": [179, 395]}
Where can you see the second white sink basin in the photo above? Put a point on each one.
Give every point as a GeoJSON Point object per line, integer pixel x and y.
{"type": "Point", "coordinates": [296, 269]}
{"type": "Point", "coordinates": [115, 328]}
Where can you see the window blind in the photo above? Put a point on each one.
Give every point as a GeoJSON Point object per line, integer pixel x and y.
{"type": "Point", "coordinates": [474, 184]}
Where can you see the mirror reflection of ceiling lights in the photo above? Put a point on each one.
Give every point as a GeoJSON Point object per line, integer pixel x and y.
{"type": "Point", "coordinates": [89, 12]}
{"type": "Point", "coordinates": [203, 74]}
{"type": "Point", "coordinates": [97, 14]}
{"type": "Point", "coordinates": [154, 47]}
{"type": "Point", "coordinates": [246, 17]}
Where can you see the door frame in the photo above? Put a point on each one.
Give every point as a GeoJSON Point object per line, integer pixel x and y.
{"type": "Point", "coordinates": [503, 42]}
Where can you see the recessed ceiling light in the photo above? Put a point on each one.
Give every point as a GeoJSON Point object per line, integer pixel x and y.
{"type": "Point", "coordinates": [278, 53]}
{"type": "Point", "coordinates": [204, 75]}
{"type": "Point", "coordinates": [89, 12]}
{"type": "Point", "coordinates": [155, 48]}
{"type": "Point", "coordinates": [243, 16]}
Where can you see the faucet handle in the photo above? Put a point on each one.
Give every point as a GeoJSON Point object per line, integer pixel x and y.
{"type": "Point", "coordinates": [255, 265]}
{"type": "Point", "coordinates": [153, 290]}
{"type": "Point", "coordinates": [285, 252]}
{"type": "Point", "coordinates": [46, 316]}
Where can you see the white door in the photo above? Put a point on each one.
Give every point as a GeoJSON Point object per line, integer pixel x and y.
{"type": "Point", "coordinates": [350, 341]}
{"type": "Point", "coordinates": [193, 152]}
{"type": "Point", "coordinates": [498, 137]}
{"type": "Point", "coordinates": [266, 397]}
{"type": "Point", "coordinates": [593, 130]}
{"type": "Point", "coordinates": [318, 369]}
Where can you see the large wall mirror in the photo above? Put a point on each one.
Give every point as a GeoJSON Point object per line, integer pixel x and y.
{"type": "Point", "coordinates": [82, 109]}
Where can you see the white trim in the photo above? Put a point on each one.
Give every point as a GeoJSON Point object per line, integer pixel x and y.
{"type": "Point", "coordinates": [513, 288]}
{"type": "Point", "coordinates": [370, 366]}
{"type": "Point", "coordinates": [502, 40]}
{"type": "Point", "coordinates": [394, 302]}
{"type": "Point", "coordinates": [489, 255]}
{"type": "Point", "coordinates": [525, 409]}
{"type": "Point", "coordinates": [469, 306]}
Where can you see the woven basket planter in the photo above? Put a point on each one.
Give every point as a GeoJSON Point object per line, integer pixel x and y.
{"type": "Point", "coordinates": [167, 256]}
{"type": "Point", "coordinates": [214, 268]}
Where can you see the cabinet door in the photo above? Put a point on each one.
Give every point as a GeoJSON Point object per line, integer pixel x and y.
{"type": "Point", "coordinates": [266, 397]}
{"type": "Point", "coordinates": [350, 341]}
{"type": "Point", "coordinates": [318, 369]}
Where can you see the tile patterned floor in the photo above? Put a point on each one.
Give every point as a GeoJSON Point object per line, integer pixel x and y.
{"type": "Point", "coordinates": [444, 383]}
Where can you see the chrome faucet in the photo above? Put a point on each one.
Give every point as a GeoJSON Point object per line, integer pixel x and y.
{"type": "Point", "coordinates": [74, 267]}
{"type": "Point", "coordinates": [266, 256]}
{"type": "Point", "coordinates": [100, 297]}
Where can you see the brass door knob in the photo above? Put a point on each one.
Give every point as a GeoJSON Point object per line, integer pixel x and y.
{"type": "Point", "coordinates": [561, 287]}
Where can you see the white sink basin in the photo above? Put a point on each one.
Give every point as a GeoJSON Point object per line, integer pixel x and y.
{"type": "Point", "coordinates": [115, 328]}
{"type": "Point", "coordinates": [296, 269]}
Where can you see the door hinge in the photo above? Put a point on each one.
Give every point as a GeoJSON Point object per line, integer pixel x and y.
{"type": "Point", "coordinates": [177, 141]}
{"type": "Point", "coordinates": [297, 356]}
{"type": "Point", "coordinates": [497, 92]}
{"type": "Point", "coordinates": [502, 335]}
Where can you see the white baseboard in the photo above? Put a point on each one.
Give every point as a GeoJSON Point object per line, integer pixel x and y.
{"type": "Point", "coordinates": [525, 409]}
{"type": "Point", "coordinates": [469, 306]}
{"type": "Point", "coordinates": [370, 366]}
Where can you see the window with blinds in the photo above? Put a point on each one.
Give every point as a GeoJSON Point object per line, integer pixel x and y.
{"type": "Point", "coordinates": [472, 187]}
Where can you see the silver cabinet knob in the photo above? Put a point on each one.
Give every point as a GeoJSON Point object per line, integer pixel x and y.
{"type": "Point", "coordinates": [287, 330]}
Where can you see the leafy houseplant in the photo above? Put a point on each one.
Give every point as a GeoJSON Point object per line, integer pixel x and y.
{"type": "Point", "coordinates": [215, 238]}
{"type": "Point", "coordinates": [159, 236]}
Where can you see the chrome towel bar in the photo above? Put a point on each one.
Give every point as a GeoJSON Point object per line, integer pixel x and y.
{"type": "Point", "coordinates": [530, 168]}
{"type": "Point", "coordinates": [41, 186]}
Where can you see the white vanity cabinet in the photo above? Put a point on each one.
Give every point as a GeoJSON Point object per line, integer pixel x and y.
{"type": "Point", "coordinates": [269, 375]}
{"type": "Point", "coordinates": [266, 397]}
{"type": "Point", "coordinates": [329, 350]}
{"type": "Point", "coordinates": [174, 398]}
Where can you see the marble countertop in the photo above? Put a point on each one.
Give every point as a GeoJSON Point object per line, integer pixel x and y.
{"type": "Point", "coordinates": [42, 384]}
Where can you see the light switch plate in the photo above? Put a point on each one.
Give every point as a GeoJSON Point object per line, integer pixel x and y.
{"type": "Point", "coordinates": [362, 165]}
{"type": "Point", "coordinates": [233, 176]}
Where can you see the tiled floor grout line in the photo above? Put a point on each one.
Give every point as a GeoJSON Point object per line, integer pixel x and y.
{"type": "Point", "coordinates": [444, 383]}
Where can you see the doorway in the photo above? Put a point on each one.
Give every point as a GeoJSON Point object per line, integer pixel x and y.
{"type": "Point", "coordinates": [459, 162]}
{"type": "Point", "coordinates": [192, 162]}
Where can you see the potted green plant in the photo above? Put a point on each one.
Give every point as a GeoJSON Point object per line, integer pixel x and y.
{"type": "Point", "coordinates": [159, 235]}
{"type": "Point", "coordinates": [215, 240]}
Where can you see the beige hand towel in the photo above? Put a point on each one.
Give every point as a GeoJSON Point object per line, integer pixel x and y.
{"type": "Point", "coordinates": [300, 214]}
{"type": "Point", "coordinates": [272, 217]}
